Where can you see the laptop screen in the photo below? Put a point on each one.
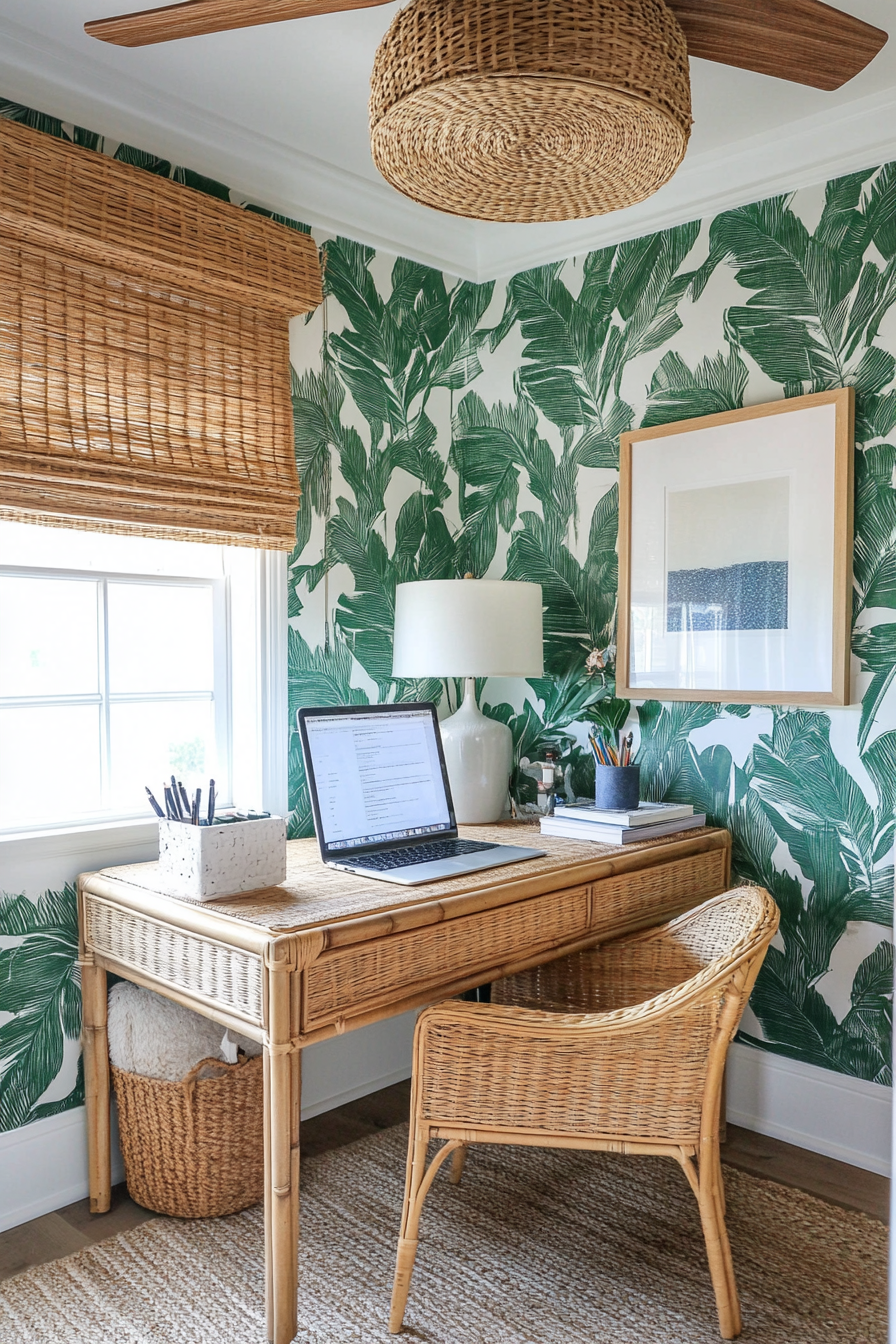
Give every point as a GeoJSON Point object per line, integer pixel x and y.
{"type": "Point", "coordinates": [377, 775]}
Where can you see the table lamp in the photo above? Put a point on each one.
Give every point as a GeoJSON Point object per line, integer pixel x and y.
{"type": "Point", "coordinates": [470, 628]}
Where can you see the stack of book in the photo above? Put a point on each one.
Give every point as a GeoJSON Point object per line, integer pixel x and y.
{"type": "Point", "coordinates": [584, 821]}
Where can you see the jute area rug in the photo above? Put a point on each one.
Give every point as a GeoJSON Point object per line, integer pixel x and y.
{"type": "Point", "coordinates": [534, 1247]}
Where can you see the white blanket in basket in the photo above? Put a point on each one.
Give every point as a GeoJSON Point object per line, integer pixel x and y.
{"type": "Point", "coordinates": [149, 1034]}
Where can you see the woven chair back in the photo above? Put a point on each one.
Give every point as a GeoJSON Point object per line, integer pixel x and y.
{"type": "Point", "coordinates": [694, 952]}
{"type": "Point", "coordinates": [723, 927]}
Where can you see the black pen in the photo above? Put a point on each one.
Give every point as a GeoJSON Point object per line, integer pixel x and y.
{"type": "Point", "coordinates": [152, 802]}
{"type": "Point", "coordinates": [169, 805]}
{"type": "Point", "coordinates": [211, 803]}
{"type": "Point", "coordinates": [175, 801]}
{"type": "Point", "coordinates": [194, 815]}
{"type": "Point", "coordinates": [184, 799]}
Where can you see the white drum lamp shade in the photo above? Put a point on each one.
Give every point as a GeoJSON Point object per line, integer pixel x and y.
{"type": "Point", "coordinates": [470, 628]}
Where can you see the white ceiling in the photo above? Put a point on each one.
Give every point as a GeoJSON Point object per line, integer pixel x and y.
{"type": "Point", "coordinates": [280, 113]}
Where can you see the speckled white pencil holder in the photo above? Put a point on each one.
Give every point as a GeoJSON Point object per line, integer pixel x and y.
{"type": "Point", "coordinates": [203, 862]}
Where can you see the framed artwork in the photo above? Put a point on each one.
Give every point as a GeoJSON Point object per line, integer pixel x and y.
{"type": "Point", "coordinates": [735, 555]}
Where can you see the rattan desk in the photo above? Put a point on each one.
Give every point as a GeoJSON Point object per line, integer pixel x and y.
{"type": "Point", "coordinates": [328, 951]}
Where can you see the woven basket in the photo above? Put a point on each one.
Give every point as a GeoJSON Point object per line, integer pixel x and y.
{"type": "Point", "coordinates": [530, 110]}
{"type": "Point", "coordinates": [193, 1149]}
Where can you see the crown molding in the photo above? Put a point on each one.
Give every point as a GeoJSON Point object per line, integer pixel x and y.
{"type": "Point", "coordinates": [44, 74]}
{"type": "Point", "coordinates": [806, 153]}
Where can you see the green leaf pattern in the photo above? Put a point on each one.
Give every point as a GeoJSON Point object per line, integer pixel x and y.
{"type": "Point", "coordinates": [40, 1002]}
{"type": "Point", "coordinates": [525, 489]}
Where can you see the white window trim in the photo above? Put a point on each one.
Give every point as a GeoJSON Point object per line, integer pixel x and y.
{"type": "Point", "coordinates": [34, 861]}
{"type": "Point", "coordinates": [272, 696]}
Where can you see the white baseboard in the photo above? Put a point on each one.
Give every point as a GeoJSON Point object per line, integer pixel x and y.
{"type": "Point", "coordinates": [353, 1093]}
{"type": "Point", "coordinates": [43, 1166]}
{"type": "Point", "coordinates": [830, 1113]}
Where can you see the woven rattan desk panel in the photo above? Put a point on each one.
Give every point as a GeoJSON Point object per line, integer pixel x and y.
{"type": "Point", "coordinates": [225, 976]}
{"type": "Point", "coordinates": [329, 951]}
{"type": "Point", "coordinates": [370, 974]}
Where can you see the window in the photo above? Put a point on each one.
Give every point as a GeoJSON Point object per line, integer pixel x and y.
{"type": "Point", "coordinates": [118, 662]}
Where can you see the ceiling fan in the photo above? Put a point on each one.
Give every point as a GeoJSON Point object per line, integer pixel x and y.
{"type": "Point", "coordinates": [538, 110]}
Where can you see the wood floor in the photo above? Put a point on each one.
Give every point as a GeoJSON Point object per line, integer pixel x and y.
{"type": "Point", "coordinates": [70, 1229]}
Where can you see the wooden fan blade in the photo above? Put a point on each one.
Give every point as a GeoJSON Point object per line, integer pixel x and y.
{"type": "Point", "coordinates": [803, 41]}
{"type": "Point", "coordinates": [195, 17]}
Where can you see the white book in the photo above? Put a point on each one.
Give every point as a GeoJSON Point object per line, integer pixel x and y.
{"type": "Point", "coordinates": [647, 814]}
{"type": "Point", "coordinates": [615, 835]}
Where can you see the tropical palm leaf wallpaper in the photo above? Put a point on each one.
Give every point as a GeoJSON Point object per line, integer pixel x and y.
{"type": "Point", "coordinates": [443, 426]}
{"type": "Point", "coordinates": [40, 1003]}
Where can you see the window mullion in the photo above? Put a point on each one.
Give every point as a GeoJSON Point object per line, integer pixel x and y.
{"type": "Point", "coordinates": [42, 701]}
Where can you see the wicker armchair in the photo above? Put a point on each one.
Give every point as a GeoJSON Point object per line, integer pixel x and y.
{"type": "Point", "coordinates": [619, 1048]}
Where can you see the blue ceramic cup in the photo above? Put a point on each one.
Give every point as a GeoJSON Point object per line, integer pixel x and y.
{"type": "Point", "coordinates": [617, 787]}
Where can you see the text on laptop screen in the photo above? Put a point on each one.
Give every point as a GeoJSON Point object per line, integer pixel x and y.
{"type": "Point", "coordinates": [378, 777]}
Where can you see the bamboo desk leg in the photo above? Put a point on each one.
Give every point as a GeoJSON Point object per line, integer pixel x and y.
{"type": "Point", "coordinates": [95, 1044]}
{"type": "Point", "coordinates": [281, 1222]}
{"type": "Point", "coordinates": [282, 1102]}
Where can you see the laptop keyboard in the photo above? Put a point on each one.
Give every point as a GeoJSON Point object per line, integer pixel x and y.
{"type": "Point", "coordinates": [426, 853]}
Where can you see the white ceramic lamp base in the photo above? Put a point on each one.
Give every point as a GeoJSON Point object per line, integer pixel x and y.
{"type": "Point", "coordinates": [479, 756]}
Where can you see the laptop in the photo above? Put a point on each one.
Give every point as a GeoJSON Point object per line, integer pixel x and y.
{"type": "Point", "coordinates": [380, 796]}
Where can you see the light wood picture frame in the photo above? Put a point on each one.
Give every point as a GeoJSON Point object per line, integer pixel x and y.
{"type": "Point", "coordinates": [735, 555]}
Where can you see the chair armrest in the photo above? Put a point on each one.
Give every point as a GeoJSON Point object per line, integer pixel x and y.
{"type": "Point", "coordinates": [493, 1020]}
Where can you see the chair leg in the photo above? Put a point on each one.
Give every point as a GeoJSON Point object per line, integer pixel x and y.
{"type": "Point", "coordinates": [720, 1191]}
{"type": "Point", "coordinates": [721, 1206]}
{"type": "Point", "coordinates": [458, 1162]}
{"type": "Point", "coordinates": [404, 1268]}
{"type": "Point", "coordinates": [419, 1180]}
{"type": "Point", "coordinates": [710, 1198]}
{"type": "Point", "coordinates": [407, 1237]}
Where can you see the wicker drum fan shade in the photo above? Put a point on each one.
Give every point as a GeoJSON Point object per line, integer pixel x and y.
{"type": "Point", "coordinates": [526, 111]}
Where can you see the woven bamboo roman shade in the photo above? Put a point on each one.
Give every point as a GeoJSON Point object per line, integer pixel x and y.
{"type": "Point", "coordinates": [144, 351]}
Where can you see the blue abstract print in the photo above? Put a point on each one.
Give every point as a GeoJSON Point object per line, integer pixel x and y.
{"type": "Point", "coordinates": [750, 596]}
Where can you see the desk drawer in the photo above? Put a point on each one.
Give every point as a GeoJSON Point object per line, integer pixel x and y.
{"type": "Point", "coordinates": [353, 980]}
{"type": "Point", "coordinates": [225, 977]}
{"type": "Point", "coordinates": [651, 895]}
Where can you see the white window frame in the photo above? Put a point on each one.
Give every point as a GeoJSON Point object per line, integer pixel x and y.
{"type": "Point", "coordinates": [219, 695]}
{"type": "Point", "coordinates": [43, 858]}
